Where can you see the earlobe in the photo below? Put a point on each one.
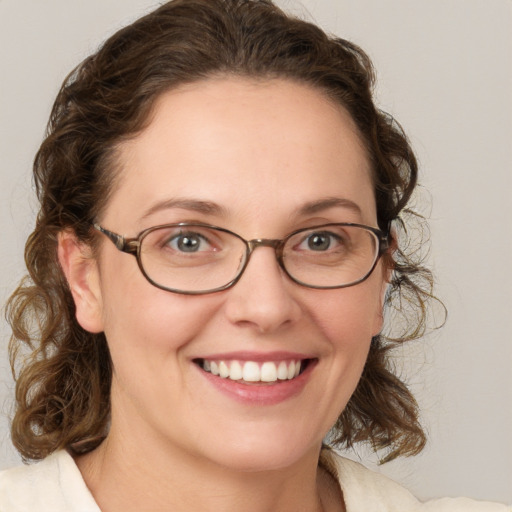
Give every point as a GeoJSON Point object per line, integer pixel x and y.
{"type": "Point", "coordinates": [378, 321]}
{"type": "Point", "coordinates": [81, 272]}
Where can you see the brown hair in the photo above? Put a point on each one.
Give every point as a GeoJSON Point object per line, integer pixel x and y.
{"type": "Point", "coordinates": [63, 373]}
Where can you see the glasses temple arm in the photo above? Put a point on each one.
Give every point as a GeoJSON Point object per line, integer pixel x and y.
{"type": "Point", "coordinates": [116, 239]}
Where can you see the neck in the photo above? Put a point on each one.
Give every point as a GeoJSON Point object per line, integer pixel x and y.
{"type": "Point", "coordinates": [143, 476]}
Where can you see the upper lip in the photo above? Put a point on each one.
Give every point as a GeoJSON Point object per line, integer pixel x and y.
{"type": "Point", "coordinates": [256, 356]}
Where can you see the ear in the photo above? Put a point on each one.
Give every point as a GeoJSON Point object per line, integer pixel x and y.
{"type": "Point", "coordinates": [81, 271]}
{"type": "Point", "coordinates": [388, 264]}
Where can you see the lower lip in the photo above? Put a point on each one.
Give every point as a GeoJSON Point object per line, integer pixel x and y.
{"type": "Point", "coordinates": [261, 394]}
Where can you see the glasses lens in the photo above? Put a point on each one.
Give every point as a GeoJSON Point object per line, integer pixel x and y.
{"type": "Point", "coordinates": [191, 258]}
{"type": "Point", "coordinates": [331, 256]}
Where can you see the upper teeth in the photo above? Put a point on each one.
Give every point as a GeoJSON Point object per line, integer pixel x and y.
{"type": "Point", "coordinates": [251, 371]}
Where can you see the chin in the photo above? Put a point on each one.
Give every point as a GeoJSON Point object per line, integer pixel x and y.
{"type": "Point", "coordinates": [264, 453]}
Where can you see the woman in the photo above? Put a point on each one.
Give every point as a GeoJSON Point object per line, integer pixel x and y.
{"type": "Point", "coordinates": [219, 233]}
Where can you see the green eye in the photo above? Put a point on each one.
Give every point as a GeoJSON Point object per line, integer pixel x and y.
{"type": "Point", "coordinates": [188, 242]}
{"type": "Point", "coordinates": [319, 241]}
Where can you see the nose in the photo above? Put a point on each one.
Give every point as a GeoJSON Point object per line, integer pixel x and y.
{"type": "Point", "coordinates": [263, 298]}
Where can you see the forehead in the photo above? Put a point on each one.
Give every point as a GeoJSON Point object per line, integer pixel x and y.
{"type": "Point", "coordinates": [256, 148]}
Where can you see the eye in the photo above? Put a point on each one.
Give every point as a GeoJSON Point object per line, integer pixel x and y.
{"type": "Point", "coordinates": [320, 241]}
{"type": "Point", "coordinates": [189, 242]}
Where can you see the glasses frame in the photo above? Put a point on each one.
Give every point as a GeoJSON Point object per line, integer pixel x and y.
{"type": "Point", "coordinates": [133, 246]}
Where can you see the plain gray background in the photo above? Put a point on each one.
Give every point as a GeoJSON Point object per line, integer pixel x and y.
{"type": "Point", "coordinates": [445, 72]}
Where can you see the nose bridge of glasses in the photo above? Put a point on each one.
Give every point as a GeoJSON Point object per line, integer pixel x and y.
{"type": "Point", "coordinates": [264, 242]}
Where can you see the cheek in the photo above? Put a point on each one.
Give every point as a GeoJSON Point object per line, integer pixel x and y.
{"type": "Point", "coordinates": [350, 317]}
{"type": "Point", "coordinates": [346, 320]}
{"type": "Point", "coordinates": [145, 323]}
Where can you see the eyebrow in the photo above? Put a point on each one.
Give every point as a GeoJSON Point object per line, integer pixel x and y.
{"type": "Point", "coordinates": [195, 205]}
{"type": "Point", "coordinates": [320, 205]}
{"type": "Point", "coordinates": [211, 208]}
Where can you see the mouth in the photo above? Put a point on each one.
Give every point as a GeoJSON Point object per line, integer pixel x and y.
{"type": "Point", "coordinates": [255, 372]}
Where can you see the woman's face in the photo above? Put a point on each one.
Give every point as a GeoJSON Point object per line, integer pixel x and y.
{"type": "Point", "coordinates": [262, 159]}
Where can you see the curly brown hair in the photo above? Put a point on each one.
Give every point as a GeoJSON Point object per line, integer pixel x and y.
{"type": "Point", "coordinates": [63, 372]}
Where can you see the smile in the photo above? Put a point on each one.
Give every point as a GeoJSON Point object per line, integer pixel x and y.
{"type": "Point", "coordinates": [252, 371]}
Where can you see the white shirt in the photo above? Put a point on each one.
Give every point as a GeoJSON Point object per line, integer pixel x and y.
{"type": "Point", "coordinates": [56, 485]}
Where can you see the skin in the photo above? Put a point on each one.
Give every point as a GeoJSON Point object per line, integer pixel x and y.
{"type": "Point", "coordinates": [261, 150]}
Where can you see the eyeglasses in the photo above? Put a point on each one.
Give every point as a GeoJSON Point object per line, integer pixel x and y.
{"type": "Point", "coordinates": [194, 258]}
